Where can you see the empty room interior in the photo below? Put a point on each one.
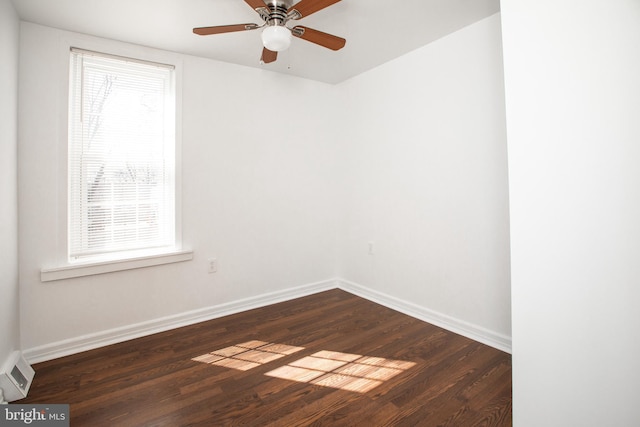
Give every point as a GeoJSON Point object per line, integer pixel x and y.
{"type": "Point", "coordinates": [434, 223]}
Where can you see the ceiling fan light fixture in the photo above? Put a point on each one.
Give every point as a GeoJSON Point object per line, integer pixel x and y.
{"type": "Point", "coordinates": [276, 38]}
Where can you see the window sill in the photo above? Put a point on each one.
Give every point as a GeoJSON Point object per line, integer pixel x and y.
{"type": "Point", "coordinates": [88, 269]}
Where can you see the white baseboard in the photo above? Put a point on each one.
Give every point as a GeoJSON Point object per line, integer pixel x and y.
{"type": "Point", "coordinates": [116, 335]}
{"type": "Point", "coordinates": [469, 330]}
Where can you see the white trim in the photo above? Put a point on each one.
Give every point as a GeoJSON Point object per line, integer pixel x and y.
{"type": "Point", "coordinates": [116, 335]}
{"type": "Point", "coordinates": [88, 269]}
{"type": "Point", "coordinates": [466, 329]}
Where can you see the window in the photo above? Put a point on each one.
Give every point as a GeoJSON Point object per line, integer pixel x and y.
{"type": "Point", "coordinates": [122, 163]}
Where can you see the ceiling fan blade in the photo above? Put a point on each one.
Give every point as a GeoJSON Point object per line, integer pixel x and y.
{"type": "Point", "coordinates": [268, 56]}
{"type": "Point", "coordinates": [318, 37]}
{"type": "Point", "coordinates": [307, 7]}
{"type": "Point", "coordinates": [259, 6]}
{"type": "Point", "coordinates": [205, 31]}
{"type": "Point", "coordinates": [256, 4]}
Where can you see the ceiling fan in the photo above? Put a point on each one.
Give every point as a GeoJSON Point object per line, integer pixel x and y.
{"type": "Point", "coordinates": [276, 36]}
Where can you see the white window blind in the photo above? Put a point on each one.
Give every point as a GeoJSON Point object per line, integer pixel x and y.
{"type": "Point", "coordinates": [121, 155]}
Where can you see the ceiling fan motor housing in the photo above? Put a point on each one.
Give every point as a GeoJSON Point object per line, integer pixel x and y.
{"type": "Point", "coordinates": [277, 13]}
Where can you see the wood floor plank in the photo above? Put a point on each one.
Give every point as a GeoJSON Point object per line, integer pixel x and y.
{"type": "Point", "coordinates": [416, 374]}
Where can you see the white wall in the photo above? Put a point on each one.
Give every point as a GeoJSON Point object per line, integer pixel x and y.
{"type": "Point", "coordinates": [427, 151]}
{"type": "Point", "coordinates": [573, 106]}
{"type": "Point", "coordinates": [9, 321]}
{"type": "Point", "coordinates": [258, 193]}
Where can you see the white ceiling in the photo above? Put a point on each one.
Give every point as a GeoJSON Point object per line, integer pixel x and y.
{"type": "Point", "coordinates": [377, 31]}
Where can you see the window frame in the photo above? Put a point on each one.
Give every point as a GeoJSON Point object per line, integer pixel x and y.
{"type": "Point", "coordinates": [60, 266]}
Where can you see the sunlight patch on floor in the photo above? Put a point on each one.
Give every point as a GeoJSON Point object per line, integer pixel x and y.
{"type": "Point", "coordinates": [247, 355]}
{"type": "Point", "coordinates": [344, 371]}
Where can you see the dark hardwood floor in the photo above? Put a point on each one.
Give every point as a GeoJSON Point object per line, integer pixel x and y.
{"type": "Point", "coordinates": [329, 359]}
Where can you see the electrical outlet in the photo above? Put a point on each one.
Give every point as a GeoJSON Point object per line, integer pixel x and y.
{"type": "Point", "coordinates": [213, 265]}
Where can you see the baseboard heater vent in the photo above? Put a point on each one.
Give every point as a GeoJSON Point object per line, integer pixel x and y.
{"type": "Point", "coordinates": [16, 377]}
